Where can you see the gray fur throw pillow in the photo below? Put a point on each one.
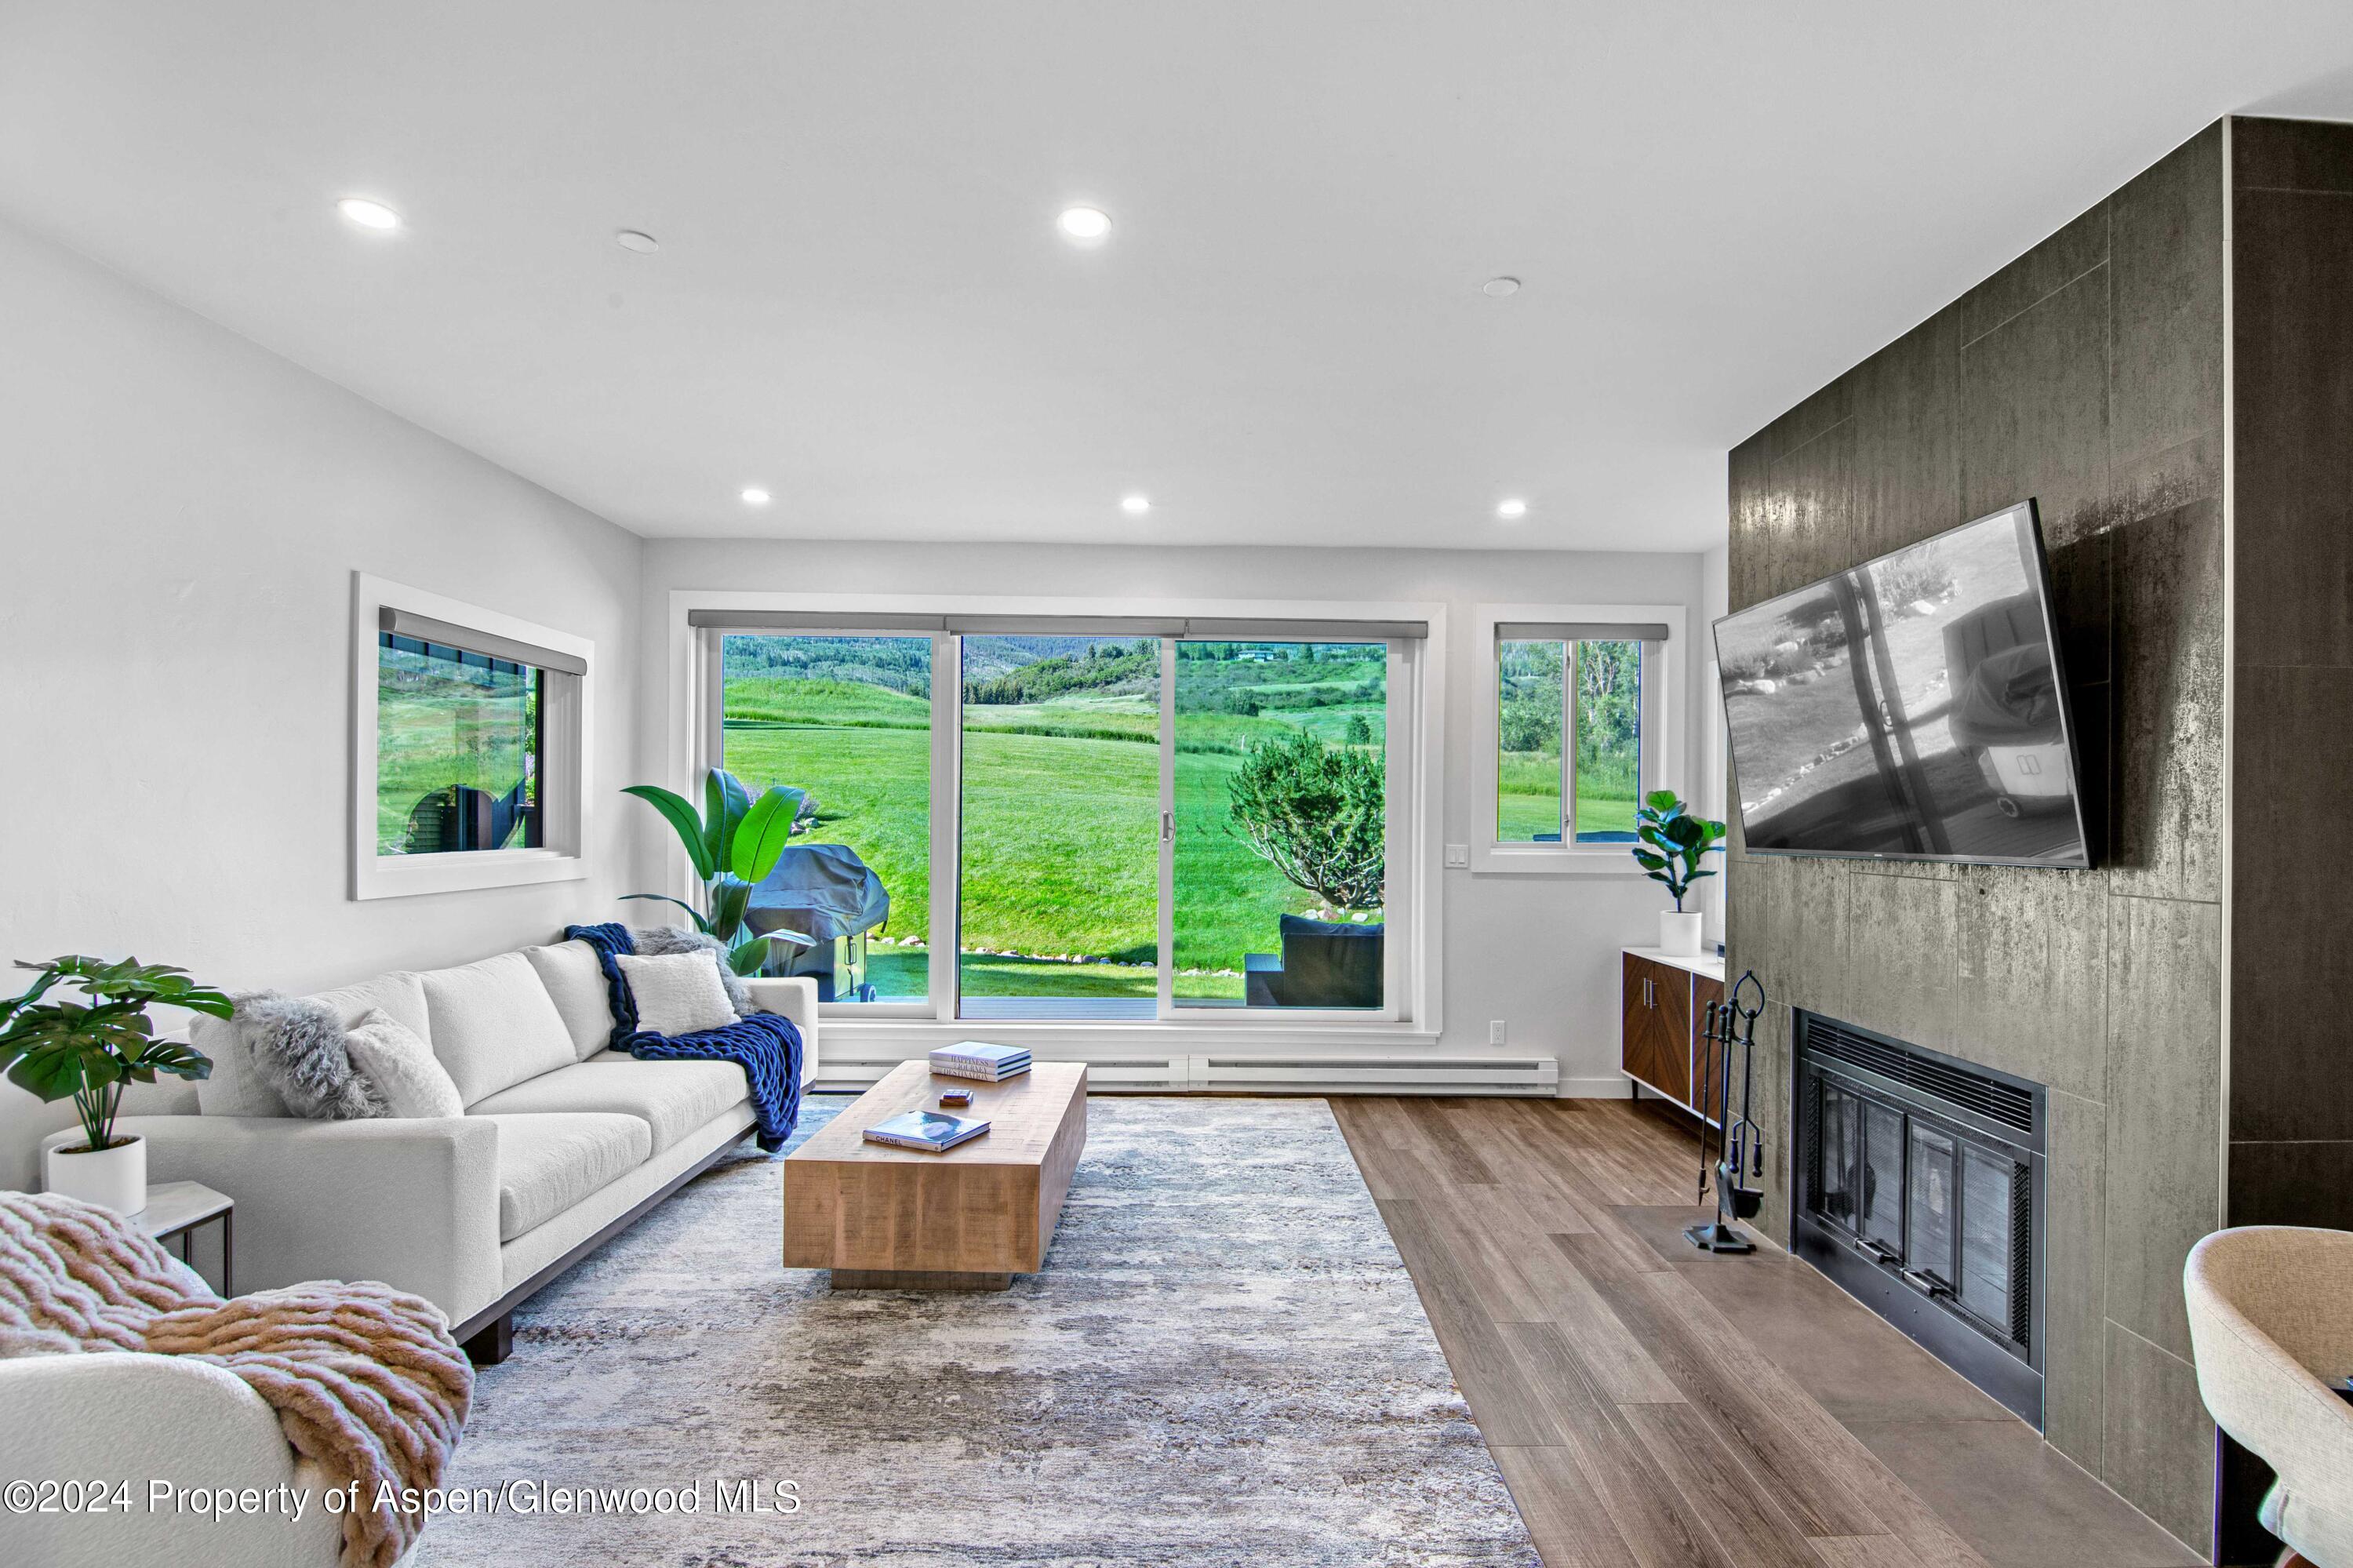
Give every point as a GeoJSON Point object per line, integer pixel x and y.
{"type": "Point", "coordinates": [297, 1047]}
{"type": "Point", "coordinates": [663, 939]}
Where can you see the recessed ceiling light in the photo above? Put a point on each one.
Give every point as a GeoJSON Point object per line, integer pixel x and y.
{"type": "Point", "coordinates": [368, 214]}
{"type": "Point", "coordinates": [1499, 287]}
{"type": "Point", "coordinates": [1134, 505]}
{"type": "Point", "coordinates": [1510, 510]}
{"type": "Point", "coordinates": [754, 496]}
{"type": "Point", "coordinates": [644, 244]}
{"type": "Point", "coordinates": [1084, 222]}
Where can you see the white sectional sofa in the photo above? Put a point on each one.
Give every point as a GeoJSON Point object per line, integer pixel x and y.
{"type": "Point", "coordinates": [564, 1141]}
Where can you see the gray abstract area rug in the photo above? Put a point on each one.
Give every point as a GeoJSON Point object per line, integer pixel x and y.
{"type": "Point", "coordinates": [1224, 1361]}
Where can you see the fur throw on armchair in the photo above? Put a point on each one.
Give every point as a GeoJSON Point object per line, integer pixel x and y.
{"type": "Point", "coordinates": [366, 1380]}
{"type": "Point", "coordinates": [678, 939]}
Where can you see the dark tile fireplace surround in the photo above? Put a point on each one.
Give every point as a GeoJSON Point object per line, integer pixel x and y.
{"type": "Point", "coordinates": [1918, 1187]}
{"type": "Point", "coordinates": [2164, 997]}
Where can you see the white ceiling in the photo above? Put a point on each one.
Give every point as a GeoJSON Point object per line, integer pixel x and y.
{"type": "Point", "coordinates": [861, 303]}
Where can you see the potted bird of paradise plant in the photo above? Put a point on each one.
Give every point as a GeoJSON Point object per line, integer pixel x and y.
{"type": "Point", "coordinates": [93, 1050]}
{"type": "Point", "coordinates": [733, 845]}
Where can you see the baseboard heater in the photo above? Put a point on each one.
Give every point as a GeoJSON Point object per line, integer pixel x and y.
{"type": "Point", "coordinates": [1279, 1074]}
{"type": "Point", "coordinates": [1149, 1074]}
{"type": "Point", "coordinates": [1378, 1075]}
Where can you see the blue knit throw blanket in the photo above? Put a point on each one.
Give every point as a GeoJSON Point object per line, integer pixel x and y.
{"type": "Point", "coordinates": [766, 1046]}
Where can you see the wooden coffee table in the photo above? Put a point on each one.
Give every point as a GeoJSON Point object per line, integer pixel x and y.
{"type": "Point", "coordinates": [899, 1219]}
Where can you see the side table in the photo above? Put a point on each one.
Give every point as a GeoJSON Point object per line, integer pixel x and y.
{"type": "Point", "coordinates": [176, 1209]}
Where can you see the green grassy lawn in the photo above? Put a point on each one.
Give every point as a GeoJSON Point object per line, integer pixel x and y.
{"type": "Point", "coordinates": [1527, 801]}
{"type": "Point", "coordinates": [1527, 797]}
{"type": "Point", "coordinates": [1060, 845]}
{"type": "Point", "coordinates": [1061, 809]}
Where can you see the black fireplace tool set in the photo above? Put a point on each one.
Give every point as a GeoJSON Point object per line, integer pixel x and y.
{"type": "Point", "coordinates": [1728, 1025]}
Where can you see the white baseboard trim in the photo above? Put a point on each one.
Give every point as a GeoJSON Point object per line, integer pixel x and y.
{"type": "Point", "coordinates": [1271, 1073]}
{"type": "Point", "coordinates": [1613, 1087]}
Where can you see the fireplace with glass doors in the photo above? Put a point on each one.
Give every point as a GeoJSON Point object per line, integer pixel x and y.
{"type": "Point", "coordinates": [1917, 1186]}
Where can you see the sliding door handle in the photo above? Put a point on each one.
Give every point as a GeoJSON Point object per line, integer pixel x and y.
{"type": "Point", "coordinates": [1168, 826]}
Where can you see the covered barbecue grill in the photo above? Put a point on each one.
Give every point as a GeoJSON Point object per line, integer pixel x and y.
{"type": "Point", "coordinates": [823, 892]}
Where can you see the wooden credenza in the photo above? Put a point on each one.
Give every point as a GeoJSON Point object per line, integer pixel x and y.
{"type": "Point", "coordinates": [1663, 1003]}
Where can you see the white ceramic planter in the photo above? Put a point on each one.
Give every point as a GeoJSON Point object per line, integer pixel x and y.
{"type": "Point", "coordinates": [1678, 935]}
{"type": "Point", "coordinates": [115, 1177]}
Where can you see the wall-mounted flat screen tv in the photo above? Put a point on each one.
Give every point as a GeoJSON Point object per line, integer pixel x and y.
{"type": "Point", "coordinates": [1914, 707]}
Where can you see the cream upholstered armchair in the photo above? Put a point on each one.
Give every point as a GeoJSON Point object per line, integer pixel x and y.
{"type": "Point", "coordinates": [2271, 1319]}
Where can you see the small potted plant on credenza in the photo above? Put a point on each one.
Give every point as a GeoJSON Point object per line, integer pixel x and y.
{"type": "Point", "coordinates": [91, 1050]}
{"type": "Point", "coordinates": [1671, 844]}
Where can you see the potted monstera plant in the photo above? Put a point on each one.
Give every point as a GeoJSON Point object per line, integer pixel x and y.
{"type": "Point", "coordinates": [1671, 843]}
{"type": "Point", "coordinates": [92, 1050]}
{"type": "Point", "coordinates": [733, 845]}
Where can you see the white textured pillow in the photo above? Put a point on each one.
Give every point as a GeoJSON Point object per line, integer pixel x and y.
{"type": "Point", "coordinates": [408, 1079]}
{"type": "Point", "coordinates": [677, 993]}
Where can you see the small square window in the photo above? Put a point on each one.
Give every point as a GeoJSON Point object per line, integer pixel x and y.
{"type": "Point", "coordinates": [1568, 732]}
{"type": "Point", "coordinates": [1577, 734]}
{"type": "Point", "coordinates": [1606, 764]}
{"type": "Point", "coordinates": [470, 732]}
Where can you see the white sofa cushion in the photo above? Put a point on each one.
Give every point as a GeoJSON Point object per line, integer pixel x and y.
{"type": "Point", "coordinates": [494, 1025]}
{"type": "Point", "coordinates": [673, 1099]}
{"type": "Point", "coordinates": [575, 983]}
{"type": "Point", "coordinates": [408, 1077]}
{"type": "Point", "coordinates": [677, 993]}
{"type": "Point", "coordinates": [548, 1162]}
{"type": "Point", "coordinates": [400, 993]}
{"type": "Point", "coordinates": [234, 1087]}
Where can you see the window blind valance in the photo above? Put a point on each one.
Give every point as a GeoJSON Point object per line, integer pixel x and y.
{"type": "Point", "coordinates": [1222, 628]}
{"type": "Point", "coordinates": [1580, 632]}
{"type": "Point", "coordinates": [814, 620]}
{"type": "Point", "coordinates": [449, 634]}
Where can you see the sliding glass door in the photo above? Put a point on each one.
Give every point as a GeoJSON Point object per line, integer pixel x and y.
{"type": "Point", "coordinates": [1279, 792]}
{"type": "Point", "coordinates": [1105, 825]}
{"type": "Point", "coordinates": [849, 720]}
{"type": "Point", "coordinates": [1061, 796]}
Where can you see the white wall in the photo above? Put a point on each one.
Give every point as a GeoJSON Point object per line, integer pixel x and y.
{"type": "Point", "coordinates": [1712, 774]}
{"type": "Point", "coordinates": [1537, 951]}
{"type": "Point", "coordinates": [180, 515]}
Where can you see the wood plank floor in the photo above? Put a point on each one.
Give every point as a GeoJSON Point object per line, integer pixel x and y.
{"type": "Point", "coordinates": [1650, 1405]}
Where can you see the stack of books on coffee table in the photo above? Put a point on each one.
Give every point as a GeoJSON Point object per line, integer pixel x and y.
{"type": "Point", "coordinates": [989, 1064]}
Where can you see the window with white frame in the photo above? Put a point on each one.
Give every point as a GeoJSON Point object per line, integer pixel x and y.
{"type": "Point", "coordinates": [1572, 734]}
{"type": "Point", "coordinates": [468, 741]}
{"type": "Point", "coordinates": [1168, 817]}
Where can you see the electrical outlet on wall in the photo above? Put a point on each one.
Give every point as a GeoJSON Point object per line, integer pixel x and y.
{"type": "Point", "coordinates": [1496, 1031]}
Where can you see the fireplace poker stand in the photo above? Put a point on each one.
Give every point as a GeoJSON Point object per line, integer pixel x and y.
{"type": "Point", "coordinates": [1740, 1142]}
